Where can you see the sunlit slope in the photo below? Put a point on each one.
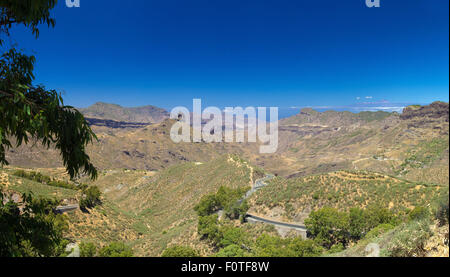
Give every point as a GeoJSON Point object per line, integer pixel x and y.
{"type": "Point", "coordinates": [293, 199]}
{"type": "Point", "coordinates": [160, 205]}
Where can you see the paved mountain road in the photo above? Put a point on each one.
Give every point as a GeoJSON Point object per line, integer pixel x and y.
{"type": "Point", "coordinates": [274, 222]}
{"type": "Point", "coordinates": [68, 208]}
{"type": "Point", "coordinates": [260, 183]}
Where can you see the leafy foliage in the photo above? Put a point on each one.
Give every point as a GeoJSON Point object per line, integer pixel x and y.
{"type": "Point", "coordinates": [180, 251]}
{"type": "Point", "coordinates": [410, 239]}
{"type": "Point", "coordinates": [232, 241]}
{"type": "Point", "coordinates": [380, 229]}
{"type": "Point", "coordinates": [330, 227]}
{"type": "Point", "coordinates": [90, 198]}
{"type": "Point", "coordinates": [231, 250]}
{"type": "Point", "coordinates": [88, 249]}
{"type": "Point", "coordinates": [208, 228]}
{"type": "Point", "coordinates": [116, 249]}
{"type": "Point", "coordinates": [442, 213]}
{"type": "Point", "coordinates": [419, 213]}
{"type": "Point", "coordinates": [226, 199]}
{"type": "Point", "coordinates": [29, 13]}
{"type": "Point", "coordinates": [31, 230]}
{"type": "Point", "coordinates": [32, 112]}
{"type": "Point", "coordinates": [40, 178]}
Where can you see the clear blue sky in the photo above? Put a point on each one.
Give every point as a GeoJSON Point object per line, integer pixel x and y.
{"type": "Point", "coordinates": [244, 52]}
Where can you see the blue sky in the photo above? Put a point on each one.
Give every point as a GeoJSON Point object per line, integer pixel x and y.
{"type": "Point", "coordinates": [245, 52]}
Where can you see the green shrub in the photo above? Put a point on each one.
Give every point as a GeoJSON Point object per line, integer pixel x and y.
{"type": "Point", "coordinates": [116, 249]}
{"type": "Point", "coordinates": [232, 235]}
{"type": "Point", "coordinates": [418, 213]}
{"type": "Point", "coordinates": [380, 229]}
{"type": "Point", "coordinates": [38, 177]}
{"type": "Point", "coordinates": [180, 251]}
{"type": "Point", "coordinates": [304, 248]}
{"type": "Point", "coordinates": [209, 229]}
{"type": "Point", "coordinates": [88, 249]}
{"type": "Point", "coordinates": [225, 199]}
{"type": "Point", "coordinates": [208, 205]}
{"type": "Point", "coordinates": [231, 250]}
{"type": "Point", "coordinates": [329, 226]}
{"type": "Point", "coordinates": [336, 248]}
{"type": "Point", "coordinates": [357, 223]}
{"type": "Point", "coordinates": [90, 198]}
{"type": "Point", "coordinates": [442, 213]}
{"type": "Point", "coordinates": [410, 239]}
{"type": "Point", "coordinates": [33, 230]}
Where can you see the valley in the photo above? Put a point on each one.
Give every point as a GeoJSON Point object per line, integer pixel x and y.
{"type": "Point", "coordinates": [150, 185]}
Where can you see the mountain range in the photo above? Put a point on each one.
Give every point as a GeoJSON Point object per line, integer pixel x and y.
{"type": "Point", "coordinates": [151, 185]}
{"type": "Point", "coordinates": [310, 142]}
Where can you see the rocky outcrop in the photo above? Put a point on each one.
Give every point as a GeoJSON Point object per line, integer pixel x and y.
{"type": "Point", "coordinates": [436, 110]}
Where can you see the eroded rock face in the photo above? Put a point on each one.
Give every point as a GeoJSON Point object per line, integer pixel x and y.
{"type": "Point", "coordinates": [436, 110]}
{"type": "Point", "coordinates": [115, 124]}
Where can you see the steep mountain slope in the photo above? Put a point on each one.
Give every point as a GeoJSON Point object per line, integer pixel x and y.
{"type": "Point", "coordinates": [160, 205]}
{"type": "Point", "coordinates": [313, 142]}
{"type": "Point", "coordinates": [411, 145]}
{"type": "Point", "coordinates": [147, 210]}
{"type": "Point", "coordinates": [147, 148]}
{"type": "Point", "coordinates": [293, 199]}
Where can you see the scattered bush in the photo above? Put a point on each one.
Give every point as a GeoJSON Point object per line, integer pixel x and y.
{"type": "Point", "coordinates": [180, 251]}
{"type": "Point", "coordinates": [274, 246]}
{"type": "Point", "coordinates": [442, 213]}
{"type": "Point", "coordinates": [418, 213]}
{"type": "Point", "coordinates": [410, 239]}
{"type": "Point", "coordinates": [38, 177]}
{"type": "Point", "coordinates": [90, 198]}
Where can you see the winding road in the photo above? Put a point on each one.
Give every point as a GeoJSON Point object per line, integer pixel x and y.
{"type": "Point", "coordinates": [274, 222]}
{"type": "Point", "coordinates": [260, 183]}
{"type": "Point", "coordinates": [68, 208]}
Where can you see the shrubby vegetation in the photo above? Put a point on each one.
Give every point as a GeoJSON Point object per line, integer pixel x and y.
{"type": "Point", "coordinates": [31, 111]}
{"type": "Point", "coordinates": [40, 178]}
{"type": "Point", "coordinates": [424, 153]}
{"type": "Point", "coordinates": [329, 230]}
{"type": "Point", "coordinates": [226, 199]}
{"type": "Point", "coordinates": [180, 251]}
{"type": "Point", "coordinates": [88, 249]}
{"type": "Point", "coordinates": [114, 249]}
{"type": "Point", "coordinates": [90, 198]}
{"type": "Point", "coordinates": [344, 190]}
{"type": "Point", "coordinates": [330, 227]}
{"type": "Point", "coordinates": [231, 241]}
{"type": "Point", "coordinates": [442, 211]}
{"type": "Point", "coordinates": [409, 240]}
{"type": "Point", "coordinates": [32, 230]}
